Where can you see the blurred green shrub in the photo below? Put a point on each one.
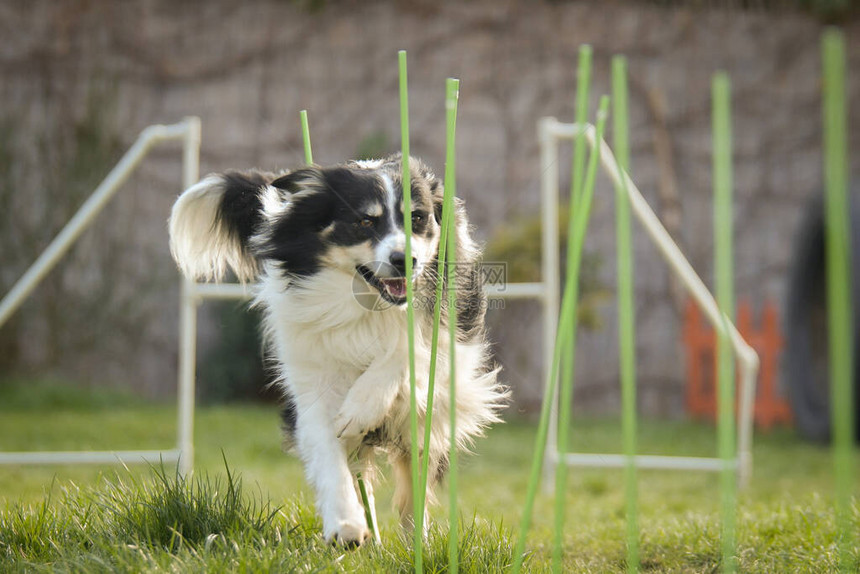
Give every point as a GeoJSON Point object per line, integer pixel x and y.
{"type": "Point", "coordinates": [518, 244]}
{"type": "Point", "coordinates": [234, 368]}
{"type": "Point", "coordinates": [373, 146]}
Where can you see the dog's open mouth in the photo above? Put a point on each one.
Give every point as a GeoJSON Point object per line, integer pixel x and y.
{"type": "Point", "coordinates": [392, 289]}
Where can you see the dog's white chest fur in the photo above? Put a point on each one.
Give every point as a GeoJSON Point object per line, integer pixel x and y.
{"type": "Point", "coordinates": [324, 329]}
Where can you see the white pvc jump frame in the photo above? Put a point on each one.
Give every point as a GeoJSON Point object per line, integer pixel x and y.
{"type": "Point", "coordinates": [187, 131]}
{"type": "Point", "coordinates": [550, 131]}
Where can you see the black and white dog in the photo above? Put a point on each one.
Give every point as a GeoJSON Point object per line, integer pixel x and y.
{"type": "Point", "coordinates": [326, 247]}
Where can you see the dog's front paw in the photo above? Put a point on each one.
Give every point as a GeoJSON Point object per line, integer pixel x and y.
{"type": "Point", "coordinates": [350, 534]}
{"type": "Point", "coordinates": [349, 428]}
{"type": "Point", "coordinates": [352, 422]}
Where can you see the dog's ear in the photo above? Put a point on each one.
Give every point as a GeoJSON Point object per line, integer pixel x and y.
{"type": "Point", "coordinates": [212, 222]}
{"type": "Point", "coordinates": [310, 200]}
{"type": "Point", "coordinates": [292, 237]}
{"type": "Point", "coordinates": [294, 182]}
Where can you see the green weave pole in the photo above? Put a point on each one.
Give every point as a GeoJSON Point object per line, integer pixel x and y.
{"type": "Point", "coordinates": [722, 174]}
{"type": "Point", "coordinates": [418, 506]}
{"type": "Point", "coordinates": [306, 137]}
{"type": "Point", "coordinates": [626, 310]}
{"type": "Point", "coordinates": [583, 84]}
{"type": "Point", "coordinates": [452, 95]}
{"type": "Point", "coordinates": [452, 87]}
{"type": "Point", "coordinates": [568, 333]}
{"type": "Point", "coordinates": [551, 383]}
{"type": "Point", "coordinates": [839, 305]}
{"type": "Point", "coordinates": [577, 177]}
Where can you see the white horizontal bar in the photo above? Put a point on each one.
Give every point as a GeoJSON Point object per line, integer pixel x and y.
{"type": "Point", "coordinates": [170, 132]}
{"type": "Point", "coordinates": [90, 457]}
{"type": "Point", "coordinates": [561, 129]}
{"type": "Point", "coordinates": [645, 461]}
{"type": "Point", "coordinates": [240, 291]}
{"type": "Point", "coordinates": [516, 290]}
{"type": "Point", "coordinates": [221, 291]}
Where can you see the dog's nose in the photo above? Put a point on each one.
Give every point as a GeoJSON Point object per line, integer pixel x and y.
{"type": "Point", "coordinates": [398, 261]}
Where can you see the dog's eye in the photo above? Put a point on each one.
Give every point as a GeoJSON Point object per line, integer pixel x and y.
{"type": "Point", "coordinates": [365, 222]}
{"type": "Point", "coordinates": [418, 218]}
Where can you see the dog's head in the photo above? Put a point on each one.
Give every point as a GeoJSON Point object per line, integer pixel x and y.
{"type": "Point", "coordinates": [347, 218]}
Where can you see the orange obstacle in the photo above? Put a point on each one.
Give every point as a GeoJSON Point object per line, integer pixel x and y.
{"type": "Point", "coordinates": [771, 407]}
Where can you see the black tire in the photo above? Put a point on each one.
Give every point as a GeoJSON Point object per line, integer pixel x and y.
{"type": "Point", "coordinates": [805, 358]}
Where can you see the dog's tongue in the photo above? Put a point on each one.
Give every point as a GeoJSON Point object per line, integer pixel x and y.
{"type": "Point", "coordinates": [395, 287]}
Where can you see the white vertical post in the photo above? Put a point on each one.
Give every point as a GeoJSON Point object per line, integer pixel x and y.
{"type": "Point", "coordinates": [549, 276]}
{"type": "Point", "coordinates": [745, 421]}
{"type": "Point", "coordinates": [188, 315]}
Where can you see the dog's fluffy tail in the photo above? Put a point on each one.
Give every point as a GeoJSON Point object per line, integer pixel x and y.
{"type": "Point", "coordinates": [212, 222]}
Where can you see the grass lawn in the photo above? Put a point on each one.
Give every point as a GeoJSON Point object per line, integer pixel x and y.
{"type": "Point", "coordinates": [89, 518]}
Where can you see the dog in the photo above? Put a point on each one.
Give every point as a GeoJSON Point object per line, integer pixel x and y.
{"type": "Point", "coordinates": [326, 250]}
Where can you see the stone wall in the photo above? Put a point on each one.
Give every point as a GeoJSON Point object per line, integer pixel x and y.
{"type": "Point", "coordinates": [246, 69]}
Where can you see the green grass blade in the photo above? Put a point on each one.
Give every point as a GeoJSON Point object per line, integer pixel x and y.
{"type": "Point", "coordinates": [365, 501]}
{"type": "Point", "coordinates": [418, 506]}
{"type": "Point", "coordinates": [306, 137]}
{"type": "Point", "coordinates": [839, 307]}
{"type": "Point", "coordinates": [569, 333]}
{"type": "Point", "coordinates": [722, 174]}
{"type": "Point", "coordinates": [583, 76]}
{"type": "Point", "coordinates": [626, 309]}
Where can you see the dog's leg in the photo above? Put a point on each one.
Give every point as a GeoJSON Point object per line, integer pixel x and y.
{"type": "Point", "coordinates": [403, 493]}
{"type": "Point", "coordinates": [327, 470]}
{"type": "Point", "coordinates": [403, 488]}
{"type": "Point", "coordinates": [370, 398]}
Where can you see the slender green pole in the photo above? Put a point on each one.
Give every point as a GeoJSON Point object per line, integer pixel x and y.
{"type": "Point", "coordinates": [839, 305]}
{"type": "Point", "coordinates": [452, 93]}
{"type": "Point", "coordinates": [543, 430]}
{"type": "Point", "coordinates": [418, 510]}
{"type": "Point", "coordinates": [453, 87]}
{"type": "Point", "coordinates": [569, 334]}
{"type": "Point", "coordinates": [583, 81]}
{"type": "Point", "coordinates": [365, 501]}
{"type": "Point", "coordinates": [306, 137]}
{"type": "Point", "coordinates": [583, 75]}
{"type": "Point", "coordinates": [577, 180]}
{"type": "Point", "coordinates": [626, 310]}
{"type": "Point", "coordinates": [722, 174]}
